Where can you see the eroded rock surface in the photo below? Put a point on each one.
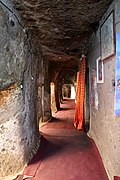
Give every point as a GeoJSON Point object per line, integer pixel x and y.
{"type": "Point", "coordinates": [63, 27]}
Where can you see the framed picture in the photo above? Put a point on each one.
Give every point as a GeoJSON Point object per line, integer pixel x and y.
{"type": "Point", "coordinates": [100, 70]}
{"type": "Point", "coordinates": [107, 37]}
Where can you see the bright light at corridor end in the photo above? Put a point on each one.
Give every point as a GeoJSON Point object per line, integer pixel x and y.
{"type": "Point", "coordinates": [73, 93]}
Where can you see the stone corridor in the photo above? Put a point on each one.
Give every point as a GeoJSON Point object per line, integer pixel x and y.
{"type": "Point", "coordinates": [49, 50]}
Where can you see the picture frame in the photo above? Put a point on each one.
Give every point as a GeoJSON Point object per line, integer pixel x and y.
{"type": "Point", "coordinates": [100, 70]}
{"type": "Point", "coordinates": [107, 37]}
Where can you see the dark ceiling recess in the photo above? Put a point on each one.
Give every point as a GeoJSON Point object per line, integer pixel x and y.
{"type": "Point", "coordinates": [63, 27]}
{"type": "Point", "coordinates": [94, 26]}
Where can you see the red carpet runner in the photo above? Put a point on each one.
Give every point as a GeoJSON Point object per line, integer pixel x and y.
{"type": "Point", "coordinates": [65, 154]}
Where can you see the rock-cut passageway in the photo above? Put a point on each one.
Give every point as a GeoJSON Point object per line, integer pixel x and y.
{"type": "Point", "coordinates": [65, 153]}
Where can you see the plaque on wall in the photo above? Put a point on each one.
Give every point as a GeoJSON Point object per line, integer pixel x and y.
{"type": "Point", "coordinates": [100, 70]}
{"type": "Point", "coordinates": [107, 37]}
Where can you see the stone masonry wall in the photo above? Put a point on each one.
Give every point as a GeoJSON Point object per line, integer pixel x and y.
{"type": "Point", "coordinates": [104, 125]}
{"type": "Point", "coordinates": [18, 94]}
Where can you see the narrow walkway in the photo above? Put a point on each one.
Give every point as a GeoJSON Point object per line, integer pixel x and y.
{"type": "Point", "coordinates": [66, 154]}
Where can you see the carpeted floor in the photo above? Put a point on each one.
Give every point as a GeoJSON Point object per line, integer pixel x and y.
{"type": "Point", "coordinates": [65, 153]}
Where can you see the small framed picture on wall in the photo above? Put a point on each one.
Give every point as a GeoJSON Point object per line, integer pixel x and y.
{"type": "Point", "coordinates": [100, 70]}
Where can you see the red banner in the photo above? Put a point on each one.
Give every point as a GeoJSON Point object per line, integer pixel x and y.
{"type": "Point", "coordinates": [80, 93]}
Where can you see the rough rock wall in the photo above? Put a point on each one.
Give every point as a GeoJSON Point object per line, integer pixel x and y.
{"type": "Point", "coordinates": [18, 94]}
{"type": "Point", "coordinates": [63, 26]}
{"type": "Point", "coordinates": [104, 125]}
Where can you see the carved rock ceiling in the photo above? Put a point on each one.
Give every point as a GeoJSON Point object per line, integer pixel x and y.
{"type": "Point", "coordinates": [62, 26]}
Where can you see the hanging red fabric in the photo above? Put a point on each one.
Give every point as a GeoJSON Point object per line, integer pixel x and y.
{"type": "Point", "coordinates": [80, 94]}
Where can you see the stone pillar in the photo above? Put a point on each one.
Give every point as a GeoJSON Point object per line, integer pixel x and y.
{"type": "Point", "coordinates": [41, 94]}
{"type": "Point", "coordinates": [53, 101]}
{"type": "Point", "coordinates": [57, 95]}
{"type": "Point", "coordinates": [60, 93]}
{"type": "Point", "coordinates": [44, 107]}
{"type": "Point", "coordinates": [46, 92]}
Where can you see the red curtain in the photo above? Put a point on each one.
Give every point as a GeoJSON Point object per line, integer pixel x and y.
{"type": "Point", "coordinates": [80, 93]}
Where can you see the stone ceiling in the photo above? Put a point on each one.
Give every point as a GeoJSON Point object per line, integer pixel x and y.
{"type": "Point", "coordinates": [62, 26]}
